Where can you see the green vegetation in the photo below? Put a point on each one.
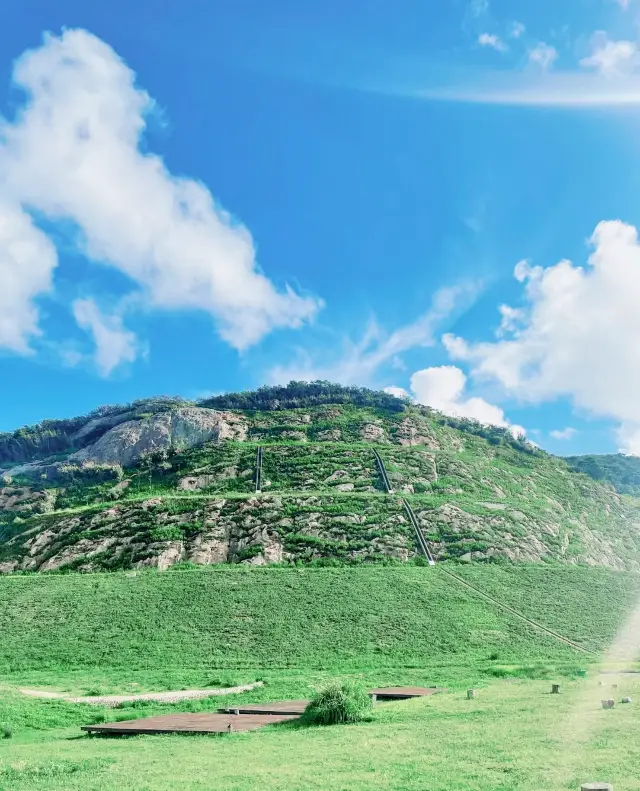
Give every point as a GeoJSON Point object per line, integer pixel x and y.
{"type": "Point", "coordinates": [303, 629]}
{"type": "Point", "coordinates": [304, 394]}
{"type": "Point", "coordinates": [513, 737]}
{"type": "Point", "coordinates": [479, 494]}
{"type": "Point", "coordinates": [337, 703]}
{"type": "Point", "coordinates": [622, 472]}
{"type": "Point", "coordinates": [238, 617]}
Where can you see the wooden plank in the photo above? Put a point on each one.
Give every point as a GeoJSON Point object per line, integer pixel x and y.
{"type": "Point", "coordinates": [399, 693]}
{"type": "Point", "coordinates": [190, 723]}
{"type": "Point", "coordinates": [278, 707]}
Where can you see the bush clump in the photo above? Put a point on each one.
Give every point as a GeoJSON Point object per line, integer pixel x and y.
{"type": "Point", "coordinates": [5, 732]}
{"type": "Point", "coordinates": [338, 702]}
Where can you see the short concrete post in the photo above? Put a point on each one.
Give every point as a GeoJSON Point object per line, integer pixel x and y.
{"type": "Point", "coordinates": [555, 689]}
{"type": "Point", "coordinates": [235, 711]}
{"type": "Point", "coordinates": [608, 704]}
{"type": "Point", "coordinates": [596, 787]}
{"type": "Point", "coordinates": [471, 693]}
{"type": "Point", "coordinates": [374, 698]}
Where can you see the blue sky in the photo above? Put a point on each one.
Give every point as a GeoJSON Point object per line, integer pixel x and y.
{"type": "Point", "coordinates": [208, 196]}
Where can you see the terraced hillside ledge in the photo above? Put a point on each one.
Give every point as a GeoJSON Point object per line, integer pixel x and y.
{"type": "Point", "coordinates": [166, 481]}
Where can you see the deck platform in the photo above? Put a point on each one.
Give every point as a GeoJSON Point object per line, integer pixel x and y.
{"type": "Point", "coordinates": [402, 693]}
{"type": "Point", "coordinates": [190, 723]}
{"type": "Point", "coordinates": [249, 716]}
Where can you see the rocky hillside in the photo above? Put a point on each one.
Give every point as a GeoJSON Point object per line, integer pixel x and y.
{"type": "Point", "coordinates": [167, 481]}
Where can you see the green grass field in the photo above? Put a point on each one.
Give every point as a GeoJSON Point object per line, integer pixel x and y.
{"type": "Point", "coordinates": [514, 735]}
{"type": "Point", "coordinates": [296, 628]}
{"type": "Point", "coordinates": [236, 617]}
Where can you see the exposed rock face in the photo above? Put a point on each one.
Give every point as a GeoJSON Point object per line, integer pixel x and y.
{"type": "Point", "coordinates": [180, 428]}
{"type": "Point", "coordinates": [329, 435]}
{"type": "Point", "coordinates": [23, 499]}
{"type": "Point", "coordinates": [252, 531]}
{"type": "Point", "coordinates": [373, 433]}
{"type": "Point", "coordinates": [414, 432]}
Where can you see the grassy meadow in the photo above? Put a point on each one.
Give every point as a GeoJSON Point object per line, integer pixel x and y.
{"type": "Point", "coordinates": [295, 629]}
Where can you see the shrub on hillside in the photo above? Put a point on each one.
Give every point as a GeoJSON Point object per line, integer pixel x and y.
{"type": "Point", "coordinates": [338, 702]}
{"type": "Point", "coordinates": [5, 732]}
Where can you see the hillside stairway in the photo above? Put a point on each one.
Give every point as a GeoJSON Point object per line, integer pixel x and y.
{"type": "Point", "coordinates": [383, 472]}
{"type": "Point", "coordinates": [259, 471]}
{"type": "Point", "coordinates": [422, 541]}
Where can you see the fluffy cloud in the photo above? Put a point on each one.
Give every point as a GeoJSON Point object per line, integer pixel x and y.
{"type": "Point", "coordinates": [493, 41]}
{"type": "Point", "coordinates": [73, 153]}
{"type": "Point", "coordinates": [517, 30]}
{"type": "Point", "coordinates": [565, 433]}
{"type": "Point", "coordinates": [27, 261]}
{"type": "Point", "coordinates": [578, 334]}
{"type": "Point", "coordinates": [443, 387]}
{"type": "Point", "coordinates": [114, 344]}
{"type": "Point", "coordinates": [543, 55]}
{"type": "Point", "coordinates": [612, 58]}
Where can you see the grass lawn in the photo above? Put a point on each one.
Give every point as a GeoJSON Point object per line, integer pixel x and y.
{"type": "Point", "coordinates": [514, 735]}
{"type": "Point", "coordinates": [297, 628]}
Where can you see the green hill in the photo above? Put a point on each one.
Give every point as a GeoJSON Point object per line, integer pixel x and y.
{"type": "Point", "coordinates": [315, 618]}
{"type": "Point", "coordinates": [165, 481]}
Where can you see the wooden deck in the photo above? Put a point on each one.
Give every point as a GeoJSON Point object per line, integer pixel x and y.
{"type": "Point", "coordinates": [243, 717]}
{"type": "Point", "coordinates": [191, 723]}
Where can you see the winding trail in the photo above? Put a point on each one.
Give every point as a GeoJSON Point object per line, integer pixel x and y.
{"type": "Point", "coordinates": [161, 697]}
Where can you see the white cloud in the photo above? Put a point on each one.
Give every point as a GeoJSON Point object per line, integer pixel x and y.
{"type": "Point", "coordinates": [493, 41]}
{"type": "Point", "coordinates": [580, 335]}
{"type": "Point", "coordinates": [358, 362]}
{"type": "Point", "coordinates": [565, 433]}
{"type": "Point", "coordinates": [517, 30]}
{"type": "Point", "coordinates": [442, 388]}
{"type": "Point", "coordinates": [114, 344]}
{"type": "Point", "coordinates": [511, 319]}
{"type": "Point", "coordinates": [27, 261]}
{"type": "Point", "coordinates": [611, 58]}
{"type": "Point", "coordinates": [543, 55]}
{"type": "Point", "coordinates": [73, 153]}
{"type": "Point", "coordinates": [398, 392]}
{"type": "Point", "coordinates": [624, 4]}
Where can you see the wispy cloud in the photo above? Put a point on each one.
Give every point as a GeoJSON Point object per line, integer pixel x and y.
{"type": "Point", "coordinates": [543, 55]}
{"type": "Point", "coordinates": [359, 362]}
{"type": "Point", "coordinates": [517, 30]}
{"type": "Point", "coordinates": [565, 433]}
{"type": "Point", "coordinates": [492, 41]}
{"type": "Point", "coordinates": [552, 89]}
{"type": "Point", "coordinates": [477, 8]}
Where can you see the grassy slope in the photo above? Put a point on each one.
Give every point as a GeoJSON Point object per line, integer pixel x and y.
{"type": "Point", "coordinates": [277, 617]}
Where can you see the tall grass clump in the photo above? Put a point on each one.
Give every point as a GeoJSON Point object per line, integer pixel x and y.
{"type": "Point", "coordinates": [338, 702]}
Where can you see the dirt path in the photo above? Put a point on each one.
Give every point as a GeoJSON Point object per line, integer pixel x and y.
{"type": "Point", "coordinates": [162, 697]}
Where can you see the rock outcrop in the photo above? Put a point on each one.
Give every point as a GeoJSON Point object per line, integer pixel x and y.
{"type": "Point", "coordinates": [179, 428]}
